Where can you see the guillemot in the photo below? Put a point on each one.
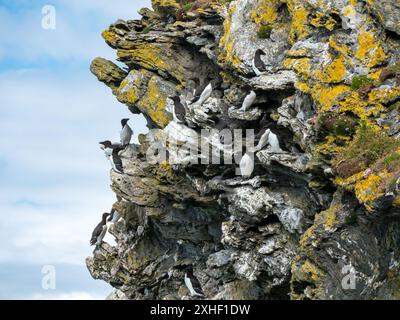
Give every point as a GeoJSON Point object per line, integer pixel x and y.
{"type": "Point", "coordinates": [100, 231]}
{"type": "Point", "coordinates": [179, 111]}
{"type": "Point", "coordinates": [193, 284]}
{"type": "Point", "coordinates": [205, 94]}
{"type": "Point", "coordinates": [126, 132]}
{"type": "Point", "coordinates": [246, 165]}
{"type": "Point", "coordinates": [199, 88]}
{"type": "Point", "coordinates": [111, 151]}
{"type": "Point", "coordinates": [248, 101]}
{"type": "Point", "coordinates": [114, 216]}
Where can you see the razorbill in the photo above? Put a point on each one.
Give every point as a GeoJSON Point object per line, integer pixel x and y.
{"type": "Point", "coordinates": [246, 165]}
{"type": "Point", "coordinates": [248, 101]}
{"type": "Point", "coordinates": [100, 231]}
{"type": "Point", "coordinates": [258, 65]}
{"type": "Point", "coordinates": [126, 132]}
{"type": "Point", "coordinates": [179, 111]}
{"type": "Point", "coordinates": [111, 151]}
{"type": "Point", "coordinates": [193, 285]}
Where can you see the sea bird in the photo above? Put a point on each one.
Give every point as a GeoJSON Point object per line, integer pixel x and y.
{"type": "Point", "coordinates": [193, 284]}
{"type": "Point", "coordinates": [126, 132]}
{"type": "Point", "coordinates": [258, 65]}
{"type": "Point", "coordinates": [100, 231]}
{"type": "Point", "coordinates": [111, 151]}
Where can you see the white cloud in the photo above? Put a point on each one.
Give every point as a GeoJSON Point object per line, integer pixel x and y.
{"type": "Point", "coordinates": [54, 180]}
{"type": "Point", "coordinates": [55, 184]}
{"type": "Point", "coordinates": [77, 34]}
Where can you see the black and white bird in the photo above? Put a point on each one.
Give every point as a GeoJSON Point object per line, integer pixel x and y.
{"type": "Point", "coordinates": [203, 92]}
{"type": "Point", "coordinates": [269, 137]}
{"type": "Point", "coordinates": [193, 284]}
{"type": "Point", "coordinates": [100, 231]}
{"type": "Point", "coordinates": [248, 101]}
{"type": "Point", "coordinates": [112, 153]}
{"type": "Point", "coordinates": [126, 132]}
{"type": "Point", "coordinates": [263, 139]}
{"type": "Point", "coordinates": [258, 65]}
{"type": "Point", "coordinates": [194, 87]}
{"type": "Point", "coordinates": [246, 165]}
{"type": "Point", "coordinates": [179, 111]}
{"type": "Point", "coordinates": [114, 216]}
{"type": "Point", "coordinates": [199, 88]}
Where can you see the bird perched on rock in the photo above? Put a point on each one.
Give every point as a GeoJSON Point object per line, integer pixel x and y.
{"type": "Point", "coordinates": [178, 111]}
{"type": "Point", "coordinates": [258, 65]}
{"type": "Point", "coordinates": [112, 153]}
{"type": "Point", "coordinates": [273, 141]}
{"type": "Point", "coordinates": [193, 284]}
{"type": "Point", "coordinates": [246, 165]}
{"type": "Point", "coordinates": [199, 88]}
{"type": "Point", "coordinates": [248, 101]}
{"type": "Point", "coordinates": [263, 141]}
{"type": "Point", "coordinates": [126, 132]}
{"type": "Point", "coordinates": [114, 216]}
{"type": "Point", "coordinates": [100, 231]}
{"type": "Point", "coordinates": [205, 94]}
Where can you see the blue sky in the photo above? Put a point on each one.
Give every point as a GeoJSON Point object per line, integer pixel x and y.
{"type": "Point", "coordinates": [54, 180]}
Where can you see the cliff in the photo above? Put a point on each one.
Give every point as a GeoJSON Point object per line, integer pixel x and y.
{"type": "Point", "coordinates": [317, 221]}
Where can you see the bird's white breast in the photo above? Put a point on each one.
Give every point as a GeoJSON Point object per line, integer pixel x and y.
{"type": "Point", "coordinates": [246, 165]}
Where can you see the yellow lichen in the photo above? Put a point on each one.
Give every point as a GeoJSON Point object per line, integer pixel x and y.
{"type": "Point", "coordinates": [303, 87]}
{"type": "Point", "coordinates": [155, 103]}
{"type": "Point", "coordinates": [226, 43]}
{"type": "Point", "coordinates": [334, 72]}
{"type": "Point", "coordinates": [326, 96]}
{"type": "Point", "coordinates": [110, 37]}
{"type": "Point", "coordinates": [323, 20]}
{"type": "Point", "coordinates": [342, 49]}
{"type": "Point", "coordinates": [299, 27]}
{"type": "Point", "coordinates": [266, 12]}
{"type": "Point", "coordinates": [302, 66]}
{"type": "Point", "coordinates": [368, 190]}
{"type": "Point", "coordinates": [370, 50]}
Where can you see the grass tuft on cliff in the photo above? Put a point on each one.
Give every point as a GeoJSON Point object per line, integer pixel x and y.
{"type": "Point", "coordinates": [368, 147]}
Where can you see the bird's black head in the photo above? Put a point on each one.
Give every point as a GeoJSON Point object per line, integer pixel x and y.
{"type": "Point", "coordinates": [111, 215]}
{"type": "Point", "coordinates": [176, 99]}
{"type": "Point", "coordinates": [104, 216]}
{"type": "Point", "coordinates": [105, 144]}
{"type": "Point", "coordinates": [260, 52]}
{"type": "Point", "coordinates": [124, 122]}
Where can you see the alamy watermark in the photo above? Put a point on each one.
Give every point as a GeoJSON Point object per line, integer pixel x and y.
{"type": "Point", "coordinates": [49, 17]}
{"type": "Point", "coordinates": [349, 278]}
{"type": "Point", "coordinates": [49, 277]}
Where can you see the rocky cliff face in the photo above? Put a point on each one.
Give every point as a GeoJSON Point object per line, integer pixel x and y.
{"type": "Point", "coordinates": [319, 220]}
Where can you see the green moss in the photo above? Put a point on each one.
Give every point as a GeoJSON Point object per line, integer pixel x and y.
{"type": "Point", "coordinates": [338, 124]}
{"type": "Point", "coordinates": [369, 145]}
{"type": "Point", "coordinates": [391, 158]}
{"type": "Point", "coordinates": [264, 32]}
{"type": "Point", "coordinates": [187, 7]}
{"type": "Point", "coordinates": [359, 81]}
{"type": "Point", "coordinates": [146, 30]}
